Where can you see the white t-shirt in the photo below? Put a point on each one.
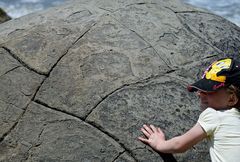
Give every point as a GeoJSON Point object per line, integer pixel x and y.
{"type": "Point", "coordinates": [223, 130]}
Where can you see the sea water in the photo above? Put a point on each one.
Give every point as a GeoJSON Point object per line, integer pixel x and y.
{"type": "Point", "coordinates": [229, 9]}
{"type": "Point", "coordinates": [18, 8]}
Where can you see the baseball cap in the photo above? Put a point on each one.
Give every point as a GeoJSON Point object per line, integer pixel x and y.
{"type": "Point", "coordinates": [221, 73]}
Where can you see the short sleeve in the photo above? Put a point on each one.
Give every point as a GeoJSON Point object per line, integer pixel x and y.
{"type": "Point", "coordinates": [209, 120]}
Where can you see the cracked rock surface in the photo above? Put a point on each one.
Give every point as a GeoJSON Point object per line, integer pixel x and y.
{"type": "Point", "coordinates": [79, 80]}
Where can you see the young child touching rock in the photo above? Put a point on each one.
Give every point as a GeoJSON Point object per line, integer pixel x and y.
{"type": "Point", "coordinates": [219, 94]}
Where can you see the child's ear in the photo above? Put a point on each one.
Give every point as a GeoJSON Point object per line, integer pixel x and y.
{"type": "Point", "coordinates": [232, 100]}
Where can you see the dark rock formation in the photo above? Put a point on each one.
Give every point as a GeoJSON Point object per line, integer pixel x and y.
{"type": "Point", "coordinates": [79, 80]}
{"type": "Point", "coordinates": [3, 16]}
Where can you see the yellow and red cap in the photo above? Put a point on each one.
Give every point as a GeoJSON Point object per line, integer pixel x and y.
{"type": "Point", "coordinates": [220, 73]}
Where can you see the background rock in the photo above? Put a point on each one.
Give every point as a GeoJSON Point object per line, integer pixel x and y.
{"type": "Point", "coordinates": [79, 80]}
{"type": "Point", "coordinates": [3, 16]}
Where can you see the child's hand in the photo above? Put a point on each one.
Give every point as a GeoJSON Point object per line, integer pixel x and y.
{"type": "Point", "coordinates": [154, 136]}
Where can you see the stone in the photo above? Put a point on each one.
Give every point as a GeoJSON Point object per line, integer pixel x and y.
{"type": "Point", "coordinates": [4, 16]}
{"type": "Point", "coordinates": [79, 80]}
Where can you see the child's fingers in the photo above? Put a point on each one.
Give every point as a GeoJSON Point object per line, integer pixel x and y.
{"type": "Point", "coordinates": [144, 140]}
{"type": "Point", "coordinates": [145, 132]}
{"type": "Point", "coordinates": [148, 129]}
{"type": "Point", "coordinates": [160, 131]}
{"type": "Point", "coordinates": [154, 129]}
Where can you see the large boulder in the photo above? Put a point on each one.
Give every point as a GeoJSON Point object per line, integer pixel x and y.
{"type": "Point", "coordinates": [79, 80]}
{"type": "Point", "coordinates": [4, 16]}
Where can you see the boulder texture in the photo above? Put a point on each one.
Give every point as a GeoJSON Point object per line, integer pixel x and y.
{"type": "Point", "coordinates": [3, 16]}
{"type": "Point", "coordinates": [79, 80]}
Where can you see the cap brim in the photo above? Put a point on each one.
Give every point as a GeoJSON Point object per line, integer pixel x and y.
{"type": "Point", "coordinates": [205, 85]}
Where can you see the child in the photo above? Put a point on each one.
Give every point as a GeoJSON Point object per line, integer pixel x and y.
{"type": "Point", "coordinates": [219, 123]}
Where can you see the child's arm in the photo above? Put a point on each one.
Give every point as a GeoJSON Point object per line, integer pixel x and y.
{"type": "Point", "coordinates": [155, 138]}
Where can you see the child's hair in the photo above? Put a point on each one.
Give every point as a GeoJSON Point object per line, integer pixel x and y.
{"type": "Point", "coordinates": [236, 91]}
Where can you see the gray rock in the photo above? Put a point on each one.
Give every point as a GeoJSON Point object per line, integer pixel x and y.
{"type": "Point", "coordinates": [79, 80]}
{"type": "Point", "coordinates": [18, 87]}
{"type": "Point", "coordinates": [43, 134]}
